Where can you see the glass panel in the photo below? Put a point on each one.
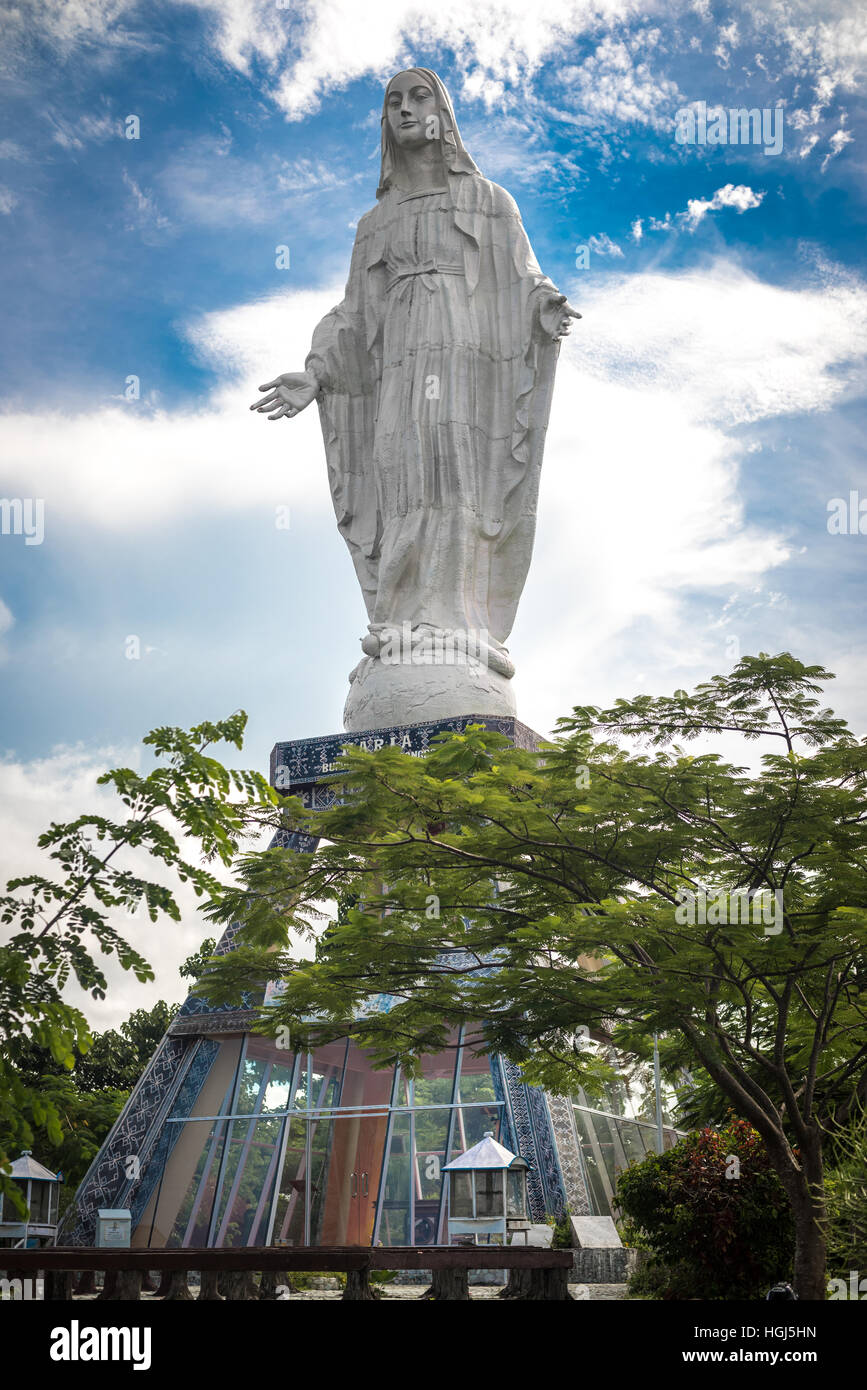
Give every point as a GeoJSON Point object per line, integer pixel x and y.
{"type": "Point", "coordinates": [272, 1067]}
{"type": "Point", "coordinates": [321, 1140]}
{"type": "Point", "coordinates": [632, 1139]}
{"type": "Point", "coordinates": [394, 1220]}
{"type": "Point", "coordinates": [436, 1084]}
{"type": "Point", "coordinates": [471, 1125]}
{"type": "Point", "coordinates": [39, 1195]}
{"type": "Point", "coordinates": [403, 1092]}
{"type": "Point", "coordinates": [182, 1172]}
{"type": "Point", "coordinates": [516, 1193]}
{"type": "Point", "coordinates": [248, 1181]}
{"type": "Point", "coordinates": [205, 1142]}
{"type": "Point", "coordinates": [489, 1192]}
{"type": "Point", "coordinates": [362, 1086]}
{"type": "Point", "coordinates": [431, 1128]}
{"type": "Point", "coordinates": [461, 1194]}
{"type": "Point", "coordinates": [594, 1167]}
{"type": "Point", "coordinates": [289, 1214]}
{"type": "Point", "coordinates": [327, 1073]}
{"type": "Point", "coordinates": [475, 1081]}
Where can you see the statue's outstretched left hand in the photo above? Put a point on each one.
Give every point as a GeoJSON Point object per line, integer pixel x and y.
{"type": "Point", "coordinates": [556, 315]}
{"type": "Point", "coordinates": [287, 395]}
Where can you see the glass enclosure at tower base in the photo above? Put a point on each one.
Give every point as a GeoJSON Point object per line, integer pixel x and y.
{"type": "Point", "coordinates": [239, 1142]}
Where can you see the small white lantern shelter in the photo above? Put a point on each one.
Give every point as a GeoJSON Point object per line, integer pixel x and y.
{"type": "Point", "coordinates": [39, 1188]}
{"type": "Point", "coordinates": [487, 1192]}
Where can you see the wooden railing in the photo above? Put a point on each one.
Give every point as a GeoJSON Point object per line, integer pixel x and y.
{"type": "Point", "coordinates": [534, 1273]}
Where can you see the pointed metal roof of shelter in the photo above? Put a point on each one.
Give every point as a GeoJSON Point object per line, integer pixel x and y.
{"type": "Point", "coordinates": [28, 1167]}
{"type": "Point", "coordinates": [486, 1154]}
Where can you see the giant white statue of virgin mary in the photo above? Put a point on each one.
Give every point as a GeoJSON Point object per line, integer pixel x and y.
{"type": "Point", "coordinates": [434, 379]}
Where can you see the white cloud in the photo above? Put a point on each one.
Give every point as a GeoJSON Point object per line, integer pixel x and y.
{"type": "Point", "coordinates": [616, 87]}
{"type": "Point", "coordinates": [8, 199]}
{"type": "Point", "coordinates": [737, 196]}
{"type": "Point", "coordinates": [602, 245]}
{"type": "Point", "coordinates": [207, 184]}
{"type": "Point", "coordinates": [126, 467]}
{"type": "Point", "coordinates": [727, 39]}
{"type": "Point", "coordinates": [338, 41]}
{"type": "Point", "coordinates": [839, 140]}
{"type": "Point", "coordinates": [641, 509]}
{"type": "Point", "coordinates": [84, 129]}
{"type": "Point", "coordinates": [143, 212]}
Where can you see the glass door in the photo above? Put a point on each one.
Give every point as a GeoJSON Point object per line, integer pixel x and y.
{"type": "Point", "coordinates": [346, 1210]}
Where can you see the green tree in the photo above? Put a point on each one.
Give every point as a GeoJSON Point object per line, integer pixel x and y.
{"type": "Point", "coordinates": [54, 923]}
{"type": "Point", "coordinates": [114, 1061]}
{"type": "Point", "coordinates": [575, 870]}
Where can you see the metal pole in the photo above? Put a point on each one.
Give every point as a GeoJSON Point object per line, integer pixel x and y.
{"type": "Point", "coordinates": [657, 1086]}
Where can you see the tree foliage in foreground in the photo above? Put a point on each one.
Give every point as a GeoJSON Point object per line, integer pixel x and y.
{"type": "Point", "coordinates": [53, 925]}
{"type": "Point", "coordinates": [592, 846]}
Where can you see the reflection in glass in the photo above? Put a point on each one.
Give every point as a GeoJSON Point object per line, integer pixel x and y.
{"type": "Point", "coordinates": [394, 1228]}
{"type": "Point", "coordinates": [318, 1148]}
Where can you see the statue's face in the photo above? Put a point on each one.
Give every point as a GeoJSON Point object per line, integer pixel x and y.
{"type": "Point", "coordinates": [409, 104]}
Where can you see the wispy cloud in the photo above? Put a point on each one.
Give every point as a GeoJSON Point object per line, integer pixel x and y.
{"type": "Point", "coordinates": [736, 196]}
{"type": "Point", "coordinates": [86, 128]}
{"type": "Point", "coordinates": [144, 215]}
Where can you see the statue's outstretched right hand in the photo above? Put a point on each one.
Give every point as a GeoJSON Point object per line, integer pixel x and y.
{"type": "Point", "coordinates": [287, 395]}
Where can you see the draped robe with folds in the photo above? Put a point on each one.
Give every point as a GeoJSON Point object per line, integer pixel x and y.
{"type": "Point", "coordinates": [436, 387]}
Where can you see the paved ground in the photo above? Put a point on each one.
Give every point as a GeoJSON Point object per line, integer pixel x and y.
{"type": "Point", "coordinates": [407, 1292]}
{"type": "Point", "coordinates": [594, 1293]}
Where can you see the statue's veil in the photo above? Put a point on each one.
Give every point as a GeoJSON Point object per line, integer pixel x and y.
{"type": "Point", "coordinates": [455, 156]}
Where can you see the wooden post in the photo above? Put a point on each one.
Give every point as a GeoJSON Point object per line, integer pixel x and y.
{"type": "Point", "coordinates": [448, 1285]}
{"type": "Point", "coordinates": [358, 1287]}
{"type": "Point", "coordinates": [238, 1286]}
{"type": "Point", "coordinates": [58, 1285]}
{"type": "Point", "coordinates": [178, 1290]}
{"type": "Point", "coordinates": [538, 1285]}
{"type": "Point", "coordinates": [208, 1288]}
{"type": "Point", "coordinates": [86, 1282]}
{"type": "Point", "coordinates": [124, 1286]}
{"type": "Point", "coordinates": [270, 1282]}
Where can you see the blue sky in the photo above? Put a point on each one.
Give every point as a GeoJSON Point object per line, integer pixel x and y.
{"type": "Point", "coordinates": [708, 407]}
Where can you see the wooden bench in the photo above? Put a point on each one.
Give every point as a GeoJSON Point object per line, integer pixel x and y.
{"type": "Point", "coordinates": [533, 1273]}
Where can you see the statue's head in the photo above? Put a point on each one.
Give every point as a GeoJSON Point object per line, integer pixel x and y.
{"type": "Point", "coordinates": [412, 111]}
{"type": "Point", "coordinates": [416, 110]}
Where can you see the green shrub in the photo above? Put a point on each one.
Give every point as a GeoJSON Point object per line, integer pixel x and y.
{"type": "Point", "coordinates": [713, 1214]}
{"type": "Point", "coordinates": [304, 1281]}
{"type": "Point", "coordinates": [846, 1194]}
{"type": "Point", "coordinates": [562, 1239]}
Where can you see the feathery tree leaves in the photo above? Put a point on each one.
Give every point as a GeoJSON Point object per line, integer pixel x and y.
{"type": "Point", "coordinates": [612, 882]}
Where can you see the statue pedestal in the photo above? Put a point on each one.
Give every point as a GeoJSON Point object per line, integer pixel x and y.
{"type": "Point", "coordinates": [383, 694]}
{"type": "Point", "coordinates": [298, 766]}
